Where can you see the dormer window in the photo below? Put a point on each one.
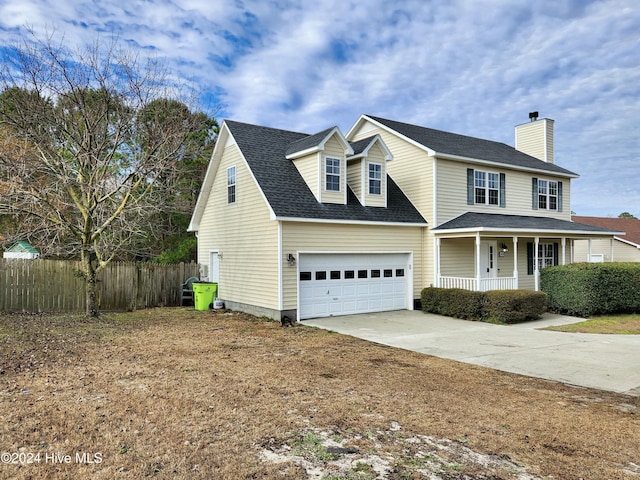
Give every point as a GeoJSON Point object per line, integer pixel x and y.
{"type": "Point", "coordinates": [375, 179]}
{"type": "Point", "coordinates": [332, 174]}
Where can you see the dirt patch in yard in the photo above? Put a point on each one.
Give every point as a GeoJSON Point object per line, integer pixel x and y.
{"type": "Point", "coordinates": [175, 393]}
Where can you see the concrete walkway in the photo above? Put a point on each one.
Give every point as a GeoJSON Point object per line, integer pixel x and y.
{"type": "Point", "coordinates": [607, 362]}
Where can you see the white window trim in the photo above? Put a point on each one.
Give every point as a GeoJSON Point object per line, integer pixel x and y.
{"type": "Point", "coordinates": [369, 178]}
{"type": "Point", "coordinates": [486, 188]}
{"type": "Point", "coordinates": [547, 196]}
{"type": "Point", "coordinates": [339, 175]}
{"type": "Point", "coordinates": [543, 255]}
{"type": "Point", "coordinates": [234, 185]}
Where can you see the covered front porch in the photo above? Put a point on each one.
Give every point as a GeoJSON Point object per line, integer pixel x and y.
{"type": "Point", "coordinates": [483, 252]}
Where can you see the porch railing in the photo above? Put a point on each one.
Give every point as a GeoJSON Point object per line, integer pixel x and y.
{"type": "Point", "coordinates": [499, 283]}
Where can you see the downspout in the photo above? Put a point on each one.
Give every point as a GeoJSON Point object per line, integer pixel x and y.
{"type": "Point", "coordinates": [280, 279]}
{"type": "Point", "coordinates": [434, 214]}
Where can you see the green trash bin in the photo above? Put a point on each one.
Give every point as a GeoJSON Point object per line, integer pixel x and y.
{"type": "Point", "coordinates": [203, 294]}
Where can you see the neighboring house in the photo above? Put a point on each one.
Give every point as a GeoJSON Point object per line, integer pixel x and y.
{"type": "Point", "coordinates": [327, 224]}
{"type": "Point", "coordinates": [624, 247]}
{"type": "Point", "coordinates": [23, 250]}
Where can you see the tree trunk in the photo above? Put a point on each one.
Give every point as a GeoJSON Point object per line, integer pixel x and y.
{"type": "Point", "coordinates": [89, 272]}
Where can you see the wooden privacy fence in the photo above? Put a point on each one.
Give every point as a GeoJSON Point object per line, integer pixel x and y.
{"type": "Point", "coordinates": [55, 285]}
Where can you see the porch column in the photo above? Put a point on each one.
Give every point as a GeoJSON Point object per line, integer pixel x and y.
{"type": "Point", "coordinates": [536, 270]}
{"type": "Point", "coordinates": [564, 251]}
{"type": "Point", "coordinates": [589, 252]}
{"type": "Point", "coordinates": [478, 275]}
{"type": "Point", "coordinates": [515, 261]}
{"type": "Point", "coordinates": [437, 261]}
{"type": "Point", "coordinates": [572, 257]}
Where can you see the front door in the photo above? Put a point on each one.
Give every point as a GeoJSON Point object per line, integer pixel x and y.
{"type": "Point", "coordinates": [488, 259]}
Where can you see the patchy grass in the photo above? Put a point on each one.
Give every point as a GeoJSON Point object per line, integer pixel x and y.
{"type": "Point", "coordinates": [180, 394]}
{"type": "Point", "coordinates": [613, 324]}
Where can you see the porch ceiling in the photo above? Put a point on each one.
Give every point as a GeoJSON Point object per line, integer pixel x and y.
{"type": "Point", "coordinates": [472, 222]}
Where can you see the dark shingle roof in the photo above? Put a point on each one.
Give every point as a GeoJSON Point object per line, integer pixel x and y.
{"type": "Point", "coordinates": [359, 146]}
{"type": "Point", "coordinates": [471, 147]}
{"type": "Point", "coordinates": [494, 221]}
{"type": "Point", "coordinates": [307, 142]}
{"type": "Point", "coordinates": [288, 194]}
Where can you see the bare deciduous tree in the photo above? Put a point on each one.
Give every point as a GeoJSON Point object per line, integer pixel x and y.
{"type": "Point", "coordinates": [90, 146]}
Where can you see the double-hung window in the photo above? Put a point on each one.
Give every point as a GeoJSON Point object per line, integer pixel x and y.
{"type": "Point", "coordinates": [547, 195]}
{"type": "Point", "coordinates": [332, 174]}
{"type": "Point", "coordinates": [231, 184]}
{"type": "Point", "coordinates": [547, 256]}
{"type": "Point", "coordinates": [375, 179]}
{"type": "Point", "coordinates": [486, 188]}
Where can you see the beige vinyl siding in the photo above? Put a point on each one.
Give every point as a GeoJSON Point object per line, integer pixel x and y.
{"type": "Point", "coordinates": [334, 238]}
{"type": "Point", "coordinates": [354, 177]}
{"type": "Point", "coordinates": [622, 252]}
{"type": "Point", "coordinates": [536, 139]}
{"type": "Point", "coordinates": [244, 235]}
{"type": "Point", "coordinates": [309, 167]}
{"type": "Point", "coordinates": [333, 148]}
{"type": "Point", "coordinates": [457, 257]}
{"type": "Point", "coordinates": [411, 168]}
{"type": "Point", "coordinates": [452, 192]}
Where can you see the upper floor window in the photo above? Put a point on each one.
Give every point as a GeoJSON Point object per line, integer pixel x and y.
{"type": "Point", "coordinates": [332, 174]}
{"type": "Point", "coordinates": [231, 184]}
{"type": "Point", "coordinates": [485, 188]}
{"type": "Point", "coordinates": [547, 194]}
{"type": "Point", "coordinates": [375, 179]}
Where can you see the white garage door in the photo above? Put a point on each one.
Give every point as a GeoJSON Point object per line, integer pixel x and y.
{"type": "Point", "coordinates": [343, 284]}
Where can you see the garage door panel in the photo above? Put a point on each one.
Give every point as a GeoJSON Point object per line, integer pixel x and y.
{"type": "Point", "coordinates": [339, 284]}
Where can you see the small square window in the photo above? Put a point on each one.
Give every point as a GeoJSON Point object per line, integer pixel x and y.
{"type": "Point", "coordinates": [305, 276]}
{"type": "Point", "coordinates": [375, 273]}
{"type": "Point", "coordinates": [362, 273]}
{"type": "Point", "coordinates": [349, 274]}
{"type": "Point", "coordinates": [321, 275]}
{"type": "Point", "coordinates": [335, 275]}
{"type": "Point", "coordinates": [388, 273]}
{"type": "Point", "coordinates": [399, 272]}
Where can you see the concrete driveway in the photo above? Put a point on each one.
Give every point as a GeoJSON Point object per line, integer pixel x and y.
{"type": "Point", "coordinates": [607, 362]}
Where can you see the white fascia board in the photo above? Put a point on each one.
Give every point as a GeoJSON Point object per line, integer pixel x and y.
{"type": "Point", "coordinates": [364, 118]}
{"type": "Point", "coordinates": [207, 183]}
{"type": "Point", "coordinates": [508, 231]}
{"type": "Point", "coordinates": [626, 242]}
{"type": "Point", "coordinates": [320, 147]}
{"type": "Point", "coordinates": [347, 222]}
{"type": "Point", "coordinates": [302, 153]}
{"type": "Point", "coordinates": [504, 165]}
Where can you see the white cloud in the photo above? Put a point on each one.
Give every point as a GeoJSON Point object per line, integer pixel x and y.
{"type": "Point", "coordinates": [475, 68]}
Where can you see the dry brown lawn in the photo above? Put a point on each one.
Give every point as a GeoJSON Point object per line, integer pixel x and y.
{"type": "Point", "coordinates": [180, 394]}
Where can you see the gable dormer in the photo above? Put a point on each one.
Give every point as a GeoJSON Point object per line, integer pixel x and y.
{"type": "Point", "coordinates": [367, 171]}
{"type": "Point", "coordinates": [321, 159]}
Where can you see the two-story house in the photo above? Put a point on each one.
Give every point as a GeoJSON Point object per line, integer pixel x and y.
{"type": "Point", "coordinates": [330, 224]}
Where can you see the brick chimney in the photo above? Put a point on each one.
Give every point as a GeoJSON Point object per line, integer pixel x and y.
{"type": "Point", "coordinates": [535, 138]}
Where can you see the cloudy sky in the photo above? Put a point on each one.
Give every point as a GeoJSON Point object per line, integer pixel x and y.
{"type": "Point", "coordinates": [475, 67]}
